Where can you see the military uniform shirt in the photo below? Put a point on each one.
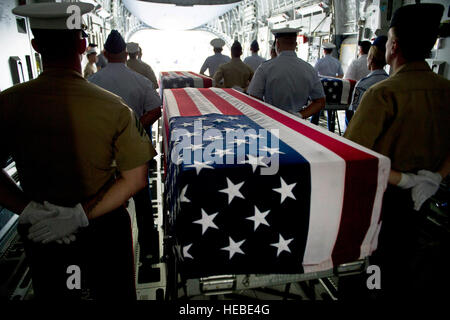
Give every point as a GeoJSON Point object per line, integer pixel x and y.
{"type": "Point", "coordinates": [144, 69]}
{"type": "Point", "coordinates": [364, 84]}
{"type": "Point", "coordinates": [101, 61]}
{"type": "Point", "coordinates": [329, 66]}
{"type": "Point", "coordinates": [357, 68]}
{"type": "Point", "coordinates": [234, 74]}
{"type": "Point", "coordinates": [406, 118]}
{"type": "Point", "coordinates": [254, 61]}
{"type": "Point", "coordinates": [135, 89]}
{"type": "Point", "coordinates": [64, 134]}
{"type": "Point", "coordinates": [89, 70]}
{"type": "Point", "coordinates": [286, 82]}
{"type": "Point", "coordinates": [213, 62]}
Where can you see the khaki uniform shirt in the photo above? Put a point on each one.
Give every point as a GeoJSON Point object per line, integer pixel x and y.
{"type": "Point", "coordinates": [144, 69]}
{"type": "Point", "coordinates": [406, 117]}
{"type": "Point", "coordinates": [64, 135]}
{"type": "Point", "coordinates": [234, 74]}
{"type": "Point", "coordinates": [89, 70]}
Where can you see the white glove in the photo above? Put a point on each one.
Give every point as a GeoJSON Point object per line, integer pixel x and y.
{"type": "Point", "coordinates": [35, 212]}
{"type": "Point", "coordinates": [426, 188]}
{"type": "Point", "coordinates": [67, 240]}
{"type": "Point", "coordinates": [56, 228]}
{"type": "Point", "coordinates": [409, 180]}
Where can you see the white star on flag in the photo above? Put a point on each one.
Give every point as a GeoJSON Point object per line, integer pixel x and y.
{"type": "Point", "coordinates": [335, 84]}
{"type": "Point", "coordinates": [213, 138]}
{"type": "Point", "coordinates": [186, 124]}
{"type": "Point", "coordinates": [183, 195]}
{"type": "Point", "coordinates": [285, 190]}
{"type": "Point", "coordinates": [240, 141]}
{"type": "Point", "coordinates": [221, 153]}
{"type": "Point", "coordinates": [254, 136]}
{"type": "Point", "coordinates": [233, 190]}
{"type": "Point", "coordinates": [228, 130]}
{"type": "Point", "coordinates": [259, 218]}
{"type": "Point", "coordinates": [233, 118]}
{"type": "Point", "coordinates": [207, 221]}
{"type": "Point", "coordinates": [205, 127]}
{"type": "Point", "coordinates": [242, 126]}
{"type": "Point", "coordinates": [190, 134]}
{"type": "Point", "coordinates": [186, 254]}
{"type": "Point", "coordinates": [220, 120]}
{"type": "Point", "coordinates": [256, 161]}
{"type": "Point", "coordinates": [271, 150]}
{"type": "Point", "coordinates": [194, 147]}
{"type": "Point", "coordinates": [201, 118]}
{"type": "Point", "coordinates": [200, 165]}
{"type": "Point", "coordinates": [234, 247]}
{"type": "Point", "coordinates": [282, 245]}
{"type": "Point", "coordinates": [330, 90]}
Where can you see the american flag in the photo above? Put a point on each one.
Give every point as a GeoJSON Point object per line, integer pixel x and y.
{"type": "Point", "coordinates": [338, 91]}
{"type": "Point", "coordinates": [321, 207]}
{"type": "Point", "coordinates": [183, 79]}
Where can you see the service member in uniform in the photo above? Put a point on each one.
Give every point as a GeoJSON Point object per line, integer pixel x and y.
{"type": "Point", "coordinates": [328, 66]}
{"type": "Point", "coordinates": [288, 82]}
{"type": "Point", "coordinates": [139, 66]}
{"type": "Point", "coordinates": [358, 67]}
{"type": "Point", "coordinates": [135, 89]}
{"type": "Point", "coordinates": [138, 92]}
{"type": "Point", "coordinates": [254, 60]}
{"type": "Point", "coordinates": [64, 134]}
{"type": "Point", "coordinates": [90, 67]}
{"type": "Point", "coordinates": [375, 62]}
{"type": "Point", "coordinates": [406, 117]}
{"type": "Point", "coordinates": [235, 74]}
{"type": "Point", "coordinates": [213, 62]}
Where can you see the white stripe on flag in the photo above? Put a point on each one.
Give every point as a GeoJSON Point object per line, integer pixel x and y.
{"type": "Point", "coordinates": [203, 104]}
{"type": "Point", "coordinates": [345, 91]}
{"type": "Point", "coordinates": [384, 167]}
{"type": "Point", "coordinates": [198, 82]}
{"type": "Point", "coordinates": [171, 104]}
{"type": "Point", "coordinates": [327, 182]}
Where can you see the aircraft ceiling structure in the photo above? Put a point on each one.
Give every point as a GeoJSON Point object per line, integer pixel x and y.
{"type": "Point", "coordinates": [178, 14]}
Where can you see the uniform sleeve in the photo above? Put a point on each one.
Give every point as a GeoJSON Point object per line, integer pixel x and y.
{"type": "Point", "coordinates": [351, 71]}
{"type": "Point", "coordinates": [369, 121]}
{"type": "Point", "coordinates": [258, 83]}
{"type": "Point", "coordinates": [316, 88]}
{"type": "Point", "coordinates": [357, 95]}
{"type": "Point", "coordinates": [152, 77]}
{"type": "Point", "coordinates": [152, 99]}
{"type": "Point", "coordinates": [132, 146]}
{"type": "Point", "coordinates": [316, 66]}
{"type": "Point", "coordinates": [340, 71]}
{"type": "Point", "coordinates": [204, 66]}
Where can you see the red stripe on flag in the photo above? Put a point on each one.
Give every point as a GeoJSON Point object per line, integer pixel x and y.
{"type": "Point", "coordinates": [167, 137]}
{"type": "Point", "coordinates": [360, 183]}
{"type": "Point", "coordinates": [220, 103]}
{"type": "Point", "coordinates": [207, 82]}
{"type": "Point", "coordinates": [185, 104]}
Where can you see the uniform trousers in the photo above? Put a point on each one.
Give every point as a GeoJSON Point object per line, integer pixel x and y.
{"type": "Point", "coordinates": [103, 253]}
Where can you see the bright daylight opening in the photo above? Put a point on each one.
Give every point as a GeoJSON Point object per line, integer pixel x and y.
{"type": "Point", "coordinates": [175, 50]}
